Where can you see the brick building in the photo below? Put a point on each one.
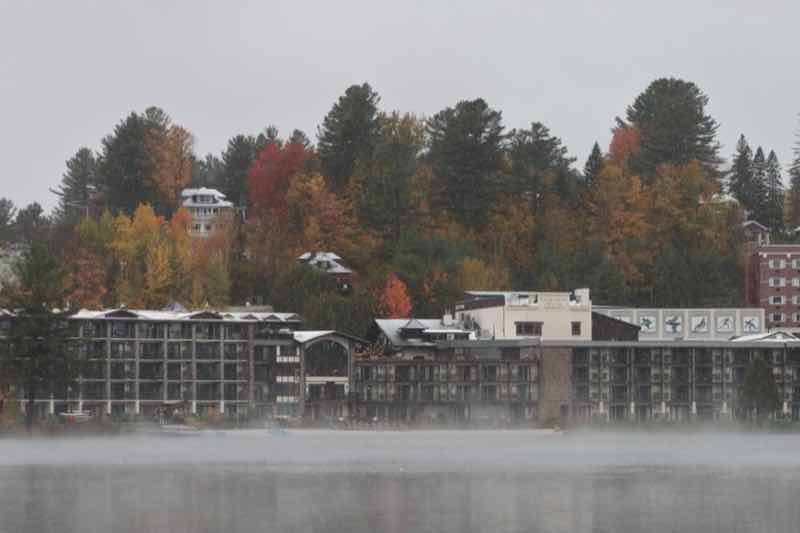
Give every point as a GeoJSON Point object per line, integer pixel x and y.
{"type": "Point", "coordinates": [772, 282]}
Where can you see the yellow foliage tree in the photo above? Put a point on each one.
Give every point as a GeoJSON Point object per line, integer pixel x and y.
{"type": "Point", "coordinates": [474, 274]}
{"type": "Point", "coordinates": [172, 152]}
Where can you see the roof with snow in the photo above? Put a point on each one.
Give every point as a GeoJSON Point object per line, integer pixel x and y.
{"type": "Point", "coordinates": [218, 198]}
{"type": "Point", "coordinates": [772, 336]}
{"type": "Point", "coordinates": [177, 315]}
{"type": "Point", "coordinates": [393, 328]}
{"type": "Point", "coordinates": [328, 262]}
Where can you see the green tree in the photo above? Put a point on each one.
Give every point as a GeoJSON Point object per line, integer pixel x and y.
{"type": "Point", "coordinates": [348, 134]}
{"type": "Point", "coordinates": [593, 166]}
{"type": "Point", "coordinates": [759, 393]}
{"type": "Point", "coordinates": [760, 190]}
{"type": "Point", "coordinates": [740, 176]}
{"type": "Point", "coordinates": [671, 117]}
{"type": "Point", "coordinates": [78, 188]}
{"type": "Point", "coordinates": [776, 194]}
{"type": "Point", "coordinates": [794, 187]}
{"type": "Point", "coordinates": [40, 358]}
{"type": "Point", "coordinates": [383, 195]}
{"type": "Point", "coordinates": [236, 161]}
{"type": "Point", "coordinates": [127, 164]}
{"type": "Point", "coordinates": [466, 154]}
{"type": "Point", "coordinates": [8, 213]}
{"type": "Point", "coordinates": [539, 164]}
{"type": "Point", "coordinates": [31, 224]}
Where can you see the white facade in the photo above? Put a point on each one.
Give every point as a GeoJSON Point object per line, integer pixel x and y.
{"type": "Point", "coordinates": [508, 315]}
{"type": "Point", "coordinates": [209, 209]}
{"type": "Point", "coordinates": [690, 324]}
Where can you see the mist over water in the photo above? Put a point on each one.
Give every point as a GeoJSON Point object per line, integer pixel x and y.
{"type": "Point", "coordinates": [402, 481]}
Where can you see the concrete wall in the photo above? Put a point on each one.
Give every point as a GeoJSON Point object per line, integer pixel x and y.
{"type": "Point", "coordinates": [554, 310]}
{"type": "Point", "coordinates": [554, 382]}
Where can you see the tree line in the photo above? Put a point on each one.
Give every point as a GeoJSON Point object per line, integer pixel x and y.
{"type": "Point", "coordinates": [420, 207]}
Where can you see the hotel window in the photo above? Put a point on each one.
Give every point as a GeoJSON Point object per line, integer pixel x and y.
{"type": "Point", "coordinates": [795, 282]}
{"type": "Point", "coordinates": [776, 300]}
{"type": "Point", "coordinates": [777, 282]}
{"type": "Point", "coordinates": [797, 317]}
{"type": "Point", "coordinates": [796, 264]}
{"type": "Point", "coordinates": [576, 329]}
{"type": "Point", "coordinates": [777, 317]}
{"type": "Point", "coordinates": [529, 329]}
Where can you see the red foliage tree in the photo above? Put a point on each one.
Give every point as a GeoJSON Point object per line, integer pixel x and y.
{"type": "Point", "coordinates": [269, 176]}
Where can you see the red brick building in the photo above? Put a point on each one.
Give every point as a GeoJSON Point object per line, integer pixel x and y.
{"type": "Point", "coordinates": [772, 282]}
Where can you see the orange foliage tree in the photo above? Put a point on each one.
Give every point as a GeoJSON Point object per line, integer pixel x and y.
{"type": "Point", "coordinates": [393, 300]}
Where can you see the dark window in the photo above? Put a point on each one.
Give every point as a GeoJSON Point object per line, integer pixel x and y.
{"type": "Point", "coordinates": [529, 329]}
{"type": "Point", "coordinates": [576, 329]}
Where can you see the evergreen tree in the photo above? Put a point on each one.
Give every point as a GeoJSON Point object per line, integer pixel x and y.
{"type": "Point", "coordinates": [31, 224]}
{"type": "Point", "coordinates": [740, 176]}
{"type": "Point", "coordinates": [208, 172]}
{"type": "Point", "coordinates": [759, 392]}
{"type": "Point", "coordinates": [759, 195]}
{"type": "Point", "coordinates": [78, 187]}
{"type": "Point", "coordinates": [127, 164]}
{"type": "Point", "coordinates": [383, 196]}
{"type": "Point", "coordinates": [670, 116]}
{"type": "Point", "coordinates": [539, 163]}
{"type": "Point", "coordinates": [39, 361]}
{"type": "Point", "coordinates": [8, 214]}
{"type": "Point", "coordinates": [348, 134]}
{"type": "Point", "coordinates": [775, 194]}
{"type": "Point", "coordinates": [794, 187]}
{"type": "Point", "coordinates": [593, 166]}
{"type": "Point", "coordinates": [236, 160]}
{"type": "Point", "coordinates": [466, 154]}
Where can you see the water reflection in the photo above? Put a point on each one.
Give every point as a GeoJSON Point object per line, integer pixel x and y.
{"type": "Point", "coordinates": [246, 498]}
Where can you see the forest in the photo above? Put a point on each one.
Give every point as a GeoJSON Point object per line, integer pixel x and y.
{"type": "Point", "coordinates": [421, 208]}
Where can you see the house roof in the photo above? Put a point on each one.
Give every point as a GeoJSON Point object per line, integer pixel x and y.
{"type": "Point", "coordinates": [771, 336]}
{"type": "Point", "coordinates": [392, 328]}
{"type": "Point", "coordinates": [171, 316]}
{"type": "Point", "coordinates": [328, 262]}
{"type": "Point", "coordinates": [219, 198]}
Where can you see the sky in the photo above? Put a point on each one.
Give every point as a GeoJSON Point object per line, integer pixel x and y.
{"type": "Point", "coordinates": [70, 71]}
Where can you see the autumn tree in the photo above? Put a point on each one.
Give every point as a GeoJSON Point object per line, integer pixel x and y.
{"type": "Point", "coordinates": [173, 163]}
{"type": "Point", "coordinates": [671, 117]}
{"type": "Point", "coordinates": [393, 301]}
{"type": "Point", "coordinates": [348, 134]}
{"type": "Point", "coordinates": [759, 394]}
{"type": "Point", "coordinates": [475, 274]}
{"type": "Point", "coordinates": [466, 154]}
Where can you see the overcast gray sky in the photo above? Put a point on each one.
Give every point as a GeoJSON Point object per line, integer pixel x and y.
{"type": "Point", "coordinates": [69, 71]}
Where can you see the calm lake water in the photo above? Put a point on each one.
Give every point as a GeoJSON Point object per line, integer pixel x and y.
{"type": "Point", "coordinates": [464, 482]}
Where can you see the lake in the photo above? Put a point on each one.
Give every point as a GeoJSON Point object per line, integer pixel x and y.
{"type": "Point", "coordinates": [417, 481]}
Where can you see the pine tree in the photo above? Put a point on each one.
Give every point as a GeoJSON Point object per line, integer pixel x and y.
{"type": "Point", "coordinates": [77, 191]}
{"type": "Point", "coordinates": [237, 159]}
{"type": "Point", "coordinates": [759, 189]}
{"type": "Point", "coordinates": [8, 213]}
{"type": "Point", "coordinates": [740, 176]}
{"type": "Point", "coordinates": [794, 187]}
{"type": "Point", "coordinates": [775, 194]}
{"type": "Point", "coordinates": [348, 134]}
{"type": "Point", "coordinates": [127, 165]}
{"type": "Point", "coordinates": [466, 153]}
{"type": "Point", "coordinates": [594, 164]}
{"type": "Point", "coordinates": [670, 116]}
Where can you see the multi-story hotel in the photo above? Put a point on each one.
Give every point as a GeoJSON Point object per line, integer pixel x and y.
{"type": "Point", "coordinates": [496, 359]}
{"type": "Point", "coordinates": [256, 362]}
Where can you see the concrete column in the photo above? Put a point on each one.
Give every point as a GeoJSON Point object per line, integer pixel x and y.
{"type": "Point", "coordinates": [52, 406]}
